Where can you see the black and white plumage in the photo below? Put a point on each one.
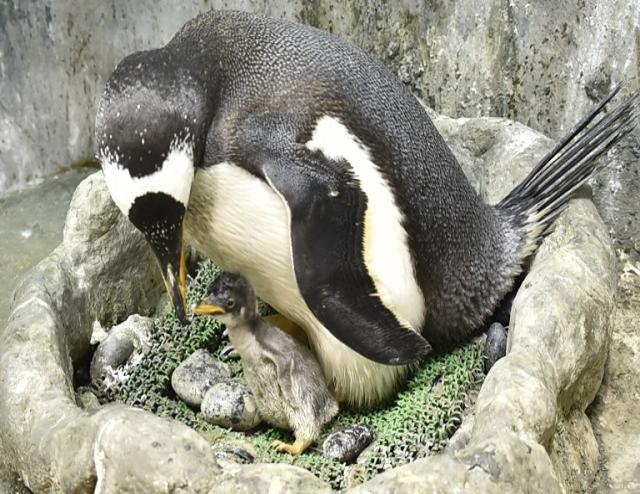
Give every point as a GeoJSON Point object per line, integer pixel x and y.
{"type": "Point", "coordinates": [293, 158]}
{"type": "Point", "coordinates": [286, 380]}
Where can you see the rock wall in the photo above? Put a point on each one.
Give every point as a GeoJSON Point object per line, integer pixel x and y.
{"type": "Point", "coordinates": [55, 56]}
{"type": "Point", "coordinates": [541, 66]}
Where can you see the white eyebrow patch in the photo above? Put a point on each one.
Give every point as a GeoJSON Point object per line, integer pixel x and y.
{"type": "Point", "coordinates": [174, 177]}
{"type": "Point", "coordinates": [385, 244]}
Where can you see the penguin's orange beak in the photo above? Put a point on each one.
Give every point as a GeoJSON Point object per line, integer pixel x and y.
{"type": "Point", "coordinates": [211, 306]}
{"type": "Point", "coordinates": [160, 218]}
{"type": "Point", "coordinates": [208, 309]}
{"type": "Point", "coordinates": [176, 285]}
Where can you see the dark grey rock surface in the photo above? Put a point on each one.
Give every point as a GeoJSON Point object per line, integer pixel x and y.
{"type": "Point", "coordinates": [346, 444]}
{"type": "Point", "coordinates": [495, 346]}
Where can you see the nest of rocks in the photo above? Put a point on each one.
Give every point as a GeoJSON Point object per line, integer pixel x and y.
{"type": "Point", "coordinates": [528, 433]}
{"type": "Point", "coordinates": [419, 422]}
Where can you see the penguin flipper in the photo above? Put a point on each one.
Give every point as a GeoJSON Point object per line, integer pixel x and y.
{"type": "Point", "coordinates": [326, 210]}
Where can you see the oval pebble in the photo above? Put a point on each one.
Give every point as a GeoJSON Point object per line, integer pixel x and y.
{"type": "Point", "coordinates": [346, 444]}
{"type": "Point", "coordinates": [231, 404]}
{"type": "Point", "coordinates": [193, 377]}
{"type": "Point", "coordinates": [496, 345]}
{"type": "Point", "coordinates": [118, 344]}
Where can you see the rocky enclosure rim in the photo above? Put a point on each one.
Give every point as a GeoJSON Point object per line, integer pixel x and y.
{"type": "Point", "coordinates": [520, 438]}
{"type": "Point", "coordinates": [418, 423]}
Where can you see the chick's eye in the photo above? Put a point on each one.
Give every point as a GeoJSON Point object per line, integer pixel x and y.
{"type": "Point", "coordinates": [230, 303]}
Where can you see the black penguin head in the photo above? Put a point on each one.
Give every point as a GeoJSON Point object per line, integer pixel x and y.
{"type": "Point", "coordinates": [150, 132]}
{"type": "Point", "coordinates": [231, 299]}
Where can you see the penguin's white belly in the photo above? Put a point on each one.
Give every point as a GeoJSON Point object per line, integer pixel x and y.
{"type": "Point", "coordinates": [240, 222]}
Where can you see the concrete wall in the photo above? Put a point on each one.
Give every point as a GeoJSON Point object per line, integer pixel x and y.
{"type": "Point", "coordinates": [541, 65]}
{"type": "Point", "coordinates": [54, 57]}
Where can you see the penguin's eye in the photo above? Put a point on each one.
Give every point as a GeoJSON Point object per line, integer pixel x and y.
{"type": "Point", "coordinates": [231, 303]}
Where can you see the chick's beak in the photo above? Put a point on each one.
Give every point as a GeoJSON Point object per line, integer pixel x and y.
{"type": "Point", "coordinates": [176, 284]}
{"type": "Point", "coordinates": [209, 306]}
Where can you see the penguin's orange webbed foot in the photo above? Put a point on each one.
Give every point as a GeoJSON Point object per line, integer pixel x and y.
{"type": "Point", "coordinates": [298, 447]}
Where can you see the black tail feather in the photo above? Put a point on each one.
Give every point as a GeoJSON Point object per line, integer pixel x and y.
{"type": "Point", "coordinates": [539, 170]}
{"type": "Point", "coordinates": [544, 193]}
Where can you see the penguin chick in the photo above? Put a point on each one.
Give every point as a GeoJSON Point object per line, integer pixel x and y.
{"type": "Point", "coordinates": [286, 380]}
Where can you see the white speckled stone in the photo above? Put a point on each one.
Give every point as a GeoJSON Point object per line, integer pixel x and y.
{"type": "Point", "coordinates": [193, 377]}
{"type": "Point", "coordinates": [231, 404]}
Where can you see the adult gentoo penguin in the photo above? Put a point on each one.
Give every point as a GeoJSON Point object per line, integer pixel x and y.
{"type": "Point", "coordinates": [293, 158]}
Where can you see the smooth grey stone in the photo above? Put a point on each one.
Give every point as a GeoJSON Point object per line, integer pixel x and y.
{"type": "Point", "coordinates": [496, 345]}
{"type": "Point", "coordinates": [118, 345]}
{"type": "Point", "coordinates": [231, 404]}
{"type": "Point", "coordinates": [193, 377]}
{"type": "Point", "coordinates": [136, 452]}
{"type": "Point", "coordinates": [346, 444]}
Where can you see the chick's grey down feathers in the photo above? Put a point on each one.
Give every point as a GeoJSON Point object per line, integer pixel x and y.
{"type": "Point", "coordinates": [287, 382]}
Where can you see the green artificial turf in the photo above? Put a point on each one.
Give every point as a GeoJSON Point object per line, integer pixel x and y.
{"type": "Point", "coordinates": [417, 423]}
